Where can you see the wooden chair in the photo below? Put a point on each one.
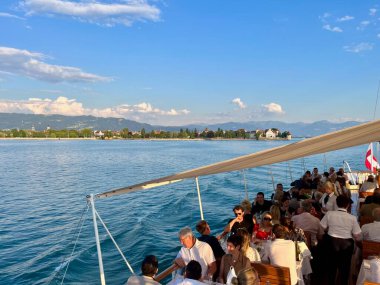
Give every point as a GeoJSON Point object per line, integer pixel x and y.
{"type": "Point", "coordinates": [365, 220]}
{"type": "Point", "coordinates": [370, 248]}
{"type": "Point", "coordinates": [276, 275]}
{"type": "Point", "coordinates": [370, 283]}
{"type": "Point", "coordinates": [364, 194]}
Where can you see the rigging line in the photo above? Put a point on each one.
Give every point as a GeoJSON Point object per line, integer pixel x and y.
{"type": "Point", "coordinates": [75, 245]}
{"type": "Point", "coordinates": [377, 97]}
{"type": "Point", "coordinates": [114, 242]}
{"type": "Point", "coordinates": [74, 233]}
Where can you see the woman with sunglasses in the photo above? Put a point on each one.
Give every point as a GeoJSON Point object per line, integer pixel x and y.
{"type": "Point", "coordinates": [263, 231]}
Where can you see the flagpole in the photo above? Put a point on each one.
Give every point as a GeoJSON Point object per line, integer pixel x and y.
{"type": "Point", "coordinates": [371, 158]}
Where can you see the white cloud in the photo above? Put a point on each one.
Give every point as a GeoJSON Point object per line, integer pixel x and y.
{"type": "Point", "coordinates": [357, 48]}
{"type": "Point", "coordinates": [109, 14]}
{"type": "Point", "coordinates": [363, 25]}
{"type": "Point", "coordinates": [239, 103]}
{"type": "Point", "coordinates": [70, 107]}
{"type": "Point", "coordinates": [372, 11]}
{"type": "Point", "coordinates": [31, 64]}
{"type": "Point", "coordinates": [332, 29]}
{"type": "Point", "coordinates": [273, 108]}
{"type": "Point", "coordinates": [7, 15]}
{"type": "Point", "coordinates": [345, 18]}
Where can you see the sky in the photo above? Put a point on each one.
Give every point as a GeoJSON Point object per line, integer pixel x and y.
{"type": "Point", "coordinates": [175, 62]}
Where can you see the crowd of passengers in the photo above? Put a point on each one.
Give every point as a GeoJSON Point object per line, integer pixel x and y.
{"type": "Point", "coordinates": [316, 211]}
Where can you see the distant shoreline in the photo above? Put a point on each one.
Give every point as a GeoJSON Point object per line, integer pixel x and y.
{"type": "Point", "coordinates": [148, 139]}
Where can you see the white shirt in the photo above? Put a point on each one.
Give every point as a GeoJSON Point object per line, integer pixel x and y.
{"type": "Point", "coordinates": [340, 224]}
{"type": "Point", "coordinates": [200, 252]}
{"type": "Point", "coordinates": [368, 186]}
{"type": "Point", "coordinates": [141, 280]}
{"type": "Point", "coordinates": [331, 203]}
{"type": "Point", "coordinates": [186, 281]}
{"type": "Point", "coordinates": [252, 254]}
{"type": "Point", "coordinates": [371, 231]}
{"type": "Point", "coordinates": [283, 253]}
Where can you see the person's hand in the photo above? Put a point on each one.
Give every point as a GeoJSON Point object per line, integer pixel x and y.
{"type": "Point", "coordinates": [179, 262]}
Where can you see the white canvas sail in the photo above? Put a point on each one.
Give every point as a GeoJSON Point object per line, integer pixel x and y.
{"type": "Point", "coordinates": [353, 136]}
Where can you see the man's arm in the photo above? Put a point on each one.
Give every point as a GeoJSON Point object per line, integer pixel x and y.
{"type": "Point", "coordinates": [179, 262]}
{"type": "Point", "coordinates": [211, 269]}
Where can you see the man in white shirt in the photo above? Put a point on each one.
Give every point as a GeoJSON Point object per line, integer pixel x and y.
{"type": "Point", "coordinates": [149, 268]}
{"type": "Point", "coordinates": [282, 252]}
{"type": "Point", "coordinates": [342, 228]}
{"type": "Point", "coordinates": [308, 223]}
{"type": "Point", "coordinates": [193, 249]}
{"type": "Point", "coordinates": [371, 231]}
{"type": "Point", "coordinates": [328, 200]}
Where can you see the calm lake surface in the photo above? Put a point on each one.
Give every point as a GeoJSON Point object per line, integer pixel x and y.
{"type": "Point", "coordinates": [44, 184]}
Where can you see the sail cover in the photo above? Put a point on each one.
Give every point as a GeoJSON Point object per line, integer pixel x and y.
{"type": "Point", "coordinates": [353, 136]}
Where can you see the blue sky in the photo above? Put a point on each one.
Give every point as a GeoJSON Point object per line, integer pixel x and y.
{"type": "Point", "coordinates": [180, 62]}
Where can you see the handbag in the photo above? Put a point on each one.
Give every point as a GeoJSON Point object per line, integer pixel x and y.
{"type": "Point", "coordinates": [231, 276]}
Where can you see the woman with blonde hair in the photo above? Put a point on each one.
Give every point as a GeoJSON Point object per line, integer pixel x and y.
{"type": "Point", "coordinates": [263, 231]}
{"type": "Point", "coordinates": [276, 214]}
{"type": "Point", "coordinates": [252, 254]}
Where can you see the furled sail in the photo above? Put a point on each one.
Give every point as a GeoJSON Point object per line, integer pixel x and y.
{"type": "Point", "coordinates": [353, 136]}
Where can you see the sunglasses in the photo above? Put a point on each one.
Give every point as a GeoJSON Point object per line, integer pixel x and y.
{"type": "Point", "coordinates": [238, 214]}
{"type": "Point", "coordinates": [267, 219]}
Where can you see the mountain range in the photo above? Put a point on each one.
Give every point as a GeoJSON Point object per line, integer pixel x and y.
{"type": "Point", "coordinates": [59, 122]}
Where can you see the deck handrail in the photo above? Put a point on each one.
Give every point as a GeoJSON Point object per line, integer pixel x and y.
{"type": "Point", "coordinates": [166, 272]}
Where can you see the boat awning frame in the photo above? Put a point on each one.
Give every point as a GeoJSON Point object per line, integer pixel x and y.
{"type": "Point", "coordinates": [349, 137]}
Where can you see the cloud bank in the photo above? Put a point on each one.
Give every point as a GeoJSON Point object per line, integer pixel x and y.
{"type": "Point", "coordinates": [332, 29]}
{"type": "Point", "coordinates": [102, 13]}
{"type": "Point", "coordinates": [70, 107]}
{"type": "Point", "coordinates": [30, 64]}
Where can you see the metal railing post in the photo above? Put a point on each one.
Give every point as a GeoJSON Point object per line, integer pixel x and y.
{"type": "Point", "coordinates": [199, 197]}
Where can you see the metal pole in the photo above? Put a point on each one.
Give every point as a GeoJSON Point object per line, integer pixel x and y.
{"type": "Point", "coordinates": [199, 197]}
{"type": "Point", "coordinates": [372, 158]}
{"type": "Point", "coordinates": [271, 174]}
{"type": "Point", "coordinates": [102, 278]}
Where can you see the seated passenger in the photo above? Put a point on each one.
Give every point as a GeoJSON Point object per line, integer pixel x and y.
{"type": "Point", "coordinates": [260, 205]}
{"type": "Point", "coordinates": [252, 254]}
{"type": "Point", "coordinates": [241, 221]}
{"type": "Point", "coordinates": [371, 231]}
{"type": "Point", "coordinates": [192, 276]}
{"type": "Point", "coordinates": [292, 232]}
{"type": "Point", "coordinates": [369, 199]}
{"type": "Point", "coordinates": [149, 268]}
{"type": "Point", "coordinates": [279, 193]}
{"type": "Point", "coordinates": [328, 200]}
{"type": "Point", "coordinates": [246, 275]}
{"type": "Point", "coordinates": [367, 209]}
{"type": "Point", "coordinates": [263, 231]}
{"type": "Point", "coordinates": [282, 252]}
{"type": "Point", "coordinates": [276, 214]}
{"type": "Point", "coordinates": [193, 249]}
{"type": "Point", "coordinates": [369, 185]}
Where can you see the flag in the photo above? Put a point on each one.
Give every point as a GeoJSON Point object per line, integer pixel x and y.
{"type": "Point", "coordinates": [370, 160]}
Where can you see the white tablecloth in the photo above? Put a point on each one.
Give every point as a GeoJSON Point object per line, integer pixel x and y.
{"type": "Point", "coordinates": [364, 272]}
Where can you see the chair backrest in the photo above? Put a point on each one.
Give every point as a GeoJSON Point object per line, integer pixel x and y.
{"type": "Point", "coordinates": [370, 248]}
{"type": "Point", "coordinates": [365, 220]}
{"type": "Point", "coordinates": [276, 275]}
{"type": "Point", "coordinates": [370, 283]}
{"type": "Point", "coordinates": [364, 194]}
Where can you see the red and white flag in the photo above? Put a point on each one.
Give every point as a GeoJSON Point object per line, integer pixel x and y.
{"type": "Point", "coordinates": [370, 160]}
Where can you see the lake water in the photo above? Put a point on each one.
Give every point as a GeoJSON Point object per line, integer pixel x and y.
{"type": "Point", "coordinates": [44, 184]}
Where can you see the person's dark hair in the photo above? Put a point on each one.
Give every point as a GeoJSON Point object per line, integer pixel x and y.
{"type": "Point", "coordinates": [260, 193]}
{"type": "Point", "coordinates": [287, 222]}
{"type": "Point", "coordinates": [149, 265]}
{"type": "Point", "coordinates": [193, 270]}
{"type": "Point", "coordinates": [341, 180]}
{"type": "Point", "coordinates": [279, 231]}
{"type": "Point", "coordinates": [371, 178]}
{"type": "Point", "coordinates": [325, 174]}
{"type": "Point", "coordinates": [238, 207]}
{"type": "Point", "coordinates": [342, 201]}
{"type": "Point", "coordinates": [201, 226]}
{"type": "Point", "coordinates": [236, 240]}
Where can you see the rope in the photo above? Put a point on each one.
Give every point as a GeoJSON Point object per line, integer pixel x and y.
{"type": "Point", "coordinates": [114, 242]}
{"type": "Point", "coordinates": [75, 245]}
{"type": "Point", "coordinates": [74, 231]}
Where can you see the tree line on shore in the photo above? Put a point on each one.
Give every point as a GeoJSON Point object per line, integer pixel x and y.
{"type": "Point", "coordinates": [142, 134]}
